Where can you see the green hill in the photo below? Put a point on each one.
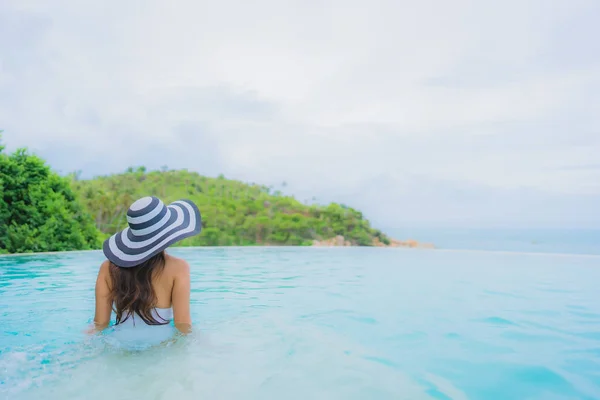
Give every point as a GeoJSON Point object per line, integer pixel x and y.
{"type": "Point", "coordinates": [234, 213]}
{"type": "Point", "coordinates": [42, 211]}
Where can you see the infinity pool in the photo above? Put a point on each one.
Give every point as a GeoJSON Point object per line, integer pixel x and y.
{"type": "Point", "coordinates": [317, 323]}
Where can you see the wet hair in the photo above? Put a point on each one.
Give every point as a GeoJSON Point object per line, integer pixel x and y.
{"type": "Point", "coordinates": [132, 291]}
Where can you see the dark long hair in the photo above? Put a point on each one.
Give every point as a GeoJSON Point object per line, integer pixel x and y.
{"type": "Point", "coordinates": [132, 290]}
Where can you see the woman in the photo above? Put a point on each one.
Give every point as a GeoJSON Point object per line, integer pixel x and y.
{"type": "Point", "coordinates": [144, 286]}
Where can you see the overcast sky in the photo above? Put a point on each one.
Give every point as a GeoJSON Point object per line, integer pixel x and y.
{"type": "Point", "coordinates": [420, 113]}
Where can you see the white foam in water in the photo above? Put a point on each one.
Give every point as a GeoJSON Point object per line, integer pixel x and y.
{"type": "Point", "coordinates": [139, 338]}
{"type": "Point", "coordinates": [229, 366]}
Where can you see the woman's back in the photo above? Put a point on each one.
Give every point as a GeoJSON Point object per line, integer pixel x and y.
{"type": "Point", "coordinates": [139, 281]}
{"type": "Point", "coordinates": [172, 290]}
{"type": "Point", "coordinates": [151, 294]}
{"type": "Point", "coordinates": [164, 283]}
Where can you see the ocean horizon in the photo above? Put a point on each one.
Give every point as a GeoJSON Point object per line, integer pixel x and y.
{"type": "Point", "coordinates": [511, 240]}
{"type": "Point", "coordinates": [519, 240]}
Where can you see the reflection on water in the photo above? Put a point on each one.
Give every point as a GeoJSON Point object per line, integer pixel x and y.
{"type": "Point", "coordinates": [300, 323]}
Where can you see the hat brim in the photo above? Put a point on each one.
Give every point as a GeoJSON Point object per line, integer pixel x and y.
{"type": "Point", "coordinates": [125, 249]}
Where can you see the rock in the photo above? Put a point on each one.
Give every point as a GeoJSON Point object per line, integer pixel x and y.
{"type": "Point", "coordinates": [411, 243]}
{"type": "Point", "coordinates": [378, 243]}
{"type": "Point", "coordinates": [339, 241]}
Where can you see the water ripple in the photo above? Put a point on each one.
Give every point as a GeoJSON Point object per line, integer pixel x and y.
{"type": "Point", "coordinates": [497, 321]}
{"type": "Point", "coordinates": [301, 323]}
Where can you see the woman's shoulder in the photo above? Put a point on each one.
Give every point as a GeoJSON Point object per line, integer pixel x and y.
{"type": "Point", "coordinates": [176, 265]}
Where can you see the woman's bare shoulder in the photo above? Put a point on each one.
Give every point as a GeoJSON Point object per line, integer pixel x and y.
{"type": "Point", "coordinates": [176, 265]}
{"type": "Point", "coordinates": [104, 270]}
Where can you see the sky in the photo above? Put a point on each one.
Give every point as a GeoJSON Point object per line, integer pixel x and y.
{"type": "Point", "coordinates": [463, 113]}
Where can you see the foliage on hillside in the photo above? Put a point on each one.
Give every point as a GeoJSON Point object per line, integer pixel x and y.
{"type": "Point", "coordinates": [234, 213]}
{"type": "Point", "coordinates": [38, 210]}
{"type": "Point", "coordinates": [42, 211]}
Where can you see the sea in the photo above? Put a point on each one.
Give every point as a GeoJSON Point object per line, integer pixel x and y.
{"type": "Point", "coordinates": [494, 317]}
{"type": "Point", "coordinates": [527, 240]}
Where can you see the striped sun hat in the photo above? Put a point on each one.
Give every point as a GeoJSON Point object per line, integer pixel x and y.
{"type": "Point", "coordinates": [152, 228]}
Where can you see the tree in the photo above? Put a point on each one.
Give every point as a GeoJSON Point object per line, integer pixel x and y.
{"type": "Point", "coordinates": [38, 209]}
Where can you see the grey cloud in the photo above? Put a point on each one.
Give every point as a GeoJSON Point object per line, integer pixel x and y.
{"type": "Point", "coordinates": [191, 148]}
{"type": "Point", "coordinates": [570, 43]}
{"type": "Point", "coordinates": [101, 89]}
{"type": "Point", "coordinates": [583, 167]}
{"type": "Point", "coordinates": [21, 34]}
{"type": "Point", "coordinates": [211, 103]}
{"type": "Point", "coordinates": [542, 37]}
{"type": "Point", "coordinates": [188, 141]}
{"type": "Point", "coordinates": [422, 201]}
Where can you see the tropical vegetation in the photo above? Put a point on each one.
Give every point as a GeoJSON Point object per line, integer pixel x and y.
{"type": "Point", "coordinates": [233, 212]}
{"type": "Point", "coordinates": [39, 210]}
{"type": "Point", "coordinates": [43, 211]}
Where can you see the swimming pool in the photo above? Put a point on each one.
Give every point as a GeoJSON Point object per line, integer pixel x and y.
{"type": "Point", "coordinates": [318, 323]}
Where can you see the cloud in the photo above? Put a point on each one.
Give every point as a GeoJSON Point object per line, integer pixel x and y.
{"type": "Point", "coordinates": [453, 103]}
{"type": "Point", "coordinates": [420, 201]}
{"type": "Point", "coordinates": [584, 167]}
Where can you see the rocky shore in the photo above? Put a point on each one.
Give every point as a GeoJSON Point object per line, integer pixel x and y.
{"type": "Point", "coordinates": [340, 241]}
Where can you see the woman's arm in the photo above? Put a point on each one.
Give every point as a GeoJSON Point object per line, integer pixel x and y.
{"type": "Point", "coordinates": [103, 302]}
{"type": "Point", "coordinates": [181, 297]}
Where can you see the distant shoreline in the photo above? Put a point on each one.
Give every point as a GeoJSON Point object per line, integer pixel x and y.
{"type": "Point", "coordinates": [443, 250]}
{"type": "Point", "coordinates": [340, 241]}
{"type": "Point", "coordinates": [259, 246]}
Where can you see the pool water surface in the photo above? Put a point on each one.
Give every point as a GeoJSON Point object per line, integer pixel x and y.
{"type": "Point", "coordinates": [318, 323]}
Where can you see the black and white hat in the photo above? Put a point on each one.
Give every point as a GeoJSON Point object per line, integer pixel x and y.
{"type": "Point", "coordinates": [152, 228]}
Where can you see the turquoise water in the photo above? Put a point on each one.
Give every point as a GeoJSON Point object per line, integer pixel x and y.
{"type": "Point", "coordinates": [571, 241]}
{"type": "Point", "coordinates": [317, 323]}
